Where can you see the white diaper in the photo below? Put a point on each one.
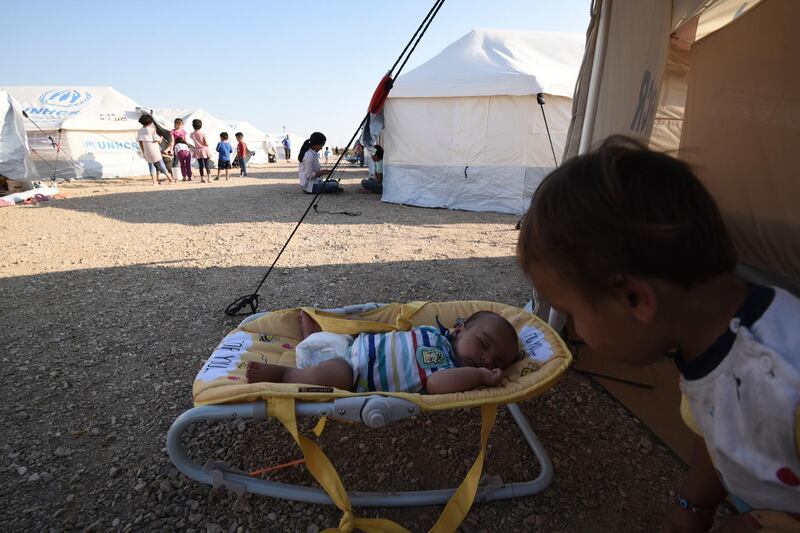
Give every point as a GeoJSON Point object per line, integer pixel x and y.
{"type": "Point", "coordinates": [320, 347]}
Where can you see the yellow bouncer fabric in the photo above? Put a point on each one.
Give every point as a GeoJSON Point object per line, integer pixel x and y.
{"type": "Point", "coordinates": [272, 338]}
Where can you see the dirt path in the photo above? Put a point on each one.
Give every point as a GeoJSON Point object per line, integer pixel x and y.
{"type": "Point", "coordinates": [113, 297]}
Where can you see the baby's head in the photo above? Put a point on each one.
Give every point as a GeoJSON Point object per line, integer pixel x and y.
{"type": "Point", "coordinates": [616, 239]}
{"type": "Point", "coordinates": [486, 340]}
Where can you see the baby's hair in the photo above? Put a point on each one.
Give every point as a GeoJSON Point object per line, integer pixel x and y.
{"type": "Point", "coordinates": [197, 123]}
{"type": "Point", "coordinates": [224, 135]}
{"type": "Point", "coordinates": [239, 134]}
{"type": "Point", "coordinates": [480, 316]}
{"type": "Point", "coordinates": [625, 209]}
{"type": "Point", "coordinates": [145, 120]}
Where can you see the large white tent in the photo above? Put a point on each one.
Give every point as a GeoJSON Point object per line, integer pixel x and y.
{"type": "Point", "coordinates": [464, 130]}
{"type": "Point", "coordinates": [95, 128]}
{"type": "Point", "coordinates": [15, 156]}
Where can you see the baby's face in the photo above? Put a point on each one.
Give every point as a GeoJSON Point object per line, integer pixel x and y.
{"type": "Point", "coordinates": [485, 345]}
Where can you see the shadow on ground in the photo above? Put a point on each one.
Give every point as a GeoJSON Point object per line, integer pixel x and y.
{"type": "Point", "coordinates": [232, 203]}
{"type": "Point", "coordinates": [98, 363]}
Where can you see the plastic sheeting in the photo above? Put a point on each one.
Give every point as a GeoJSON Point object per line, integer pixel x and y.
{"type": "Point", "coordinates": [15, 160]}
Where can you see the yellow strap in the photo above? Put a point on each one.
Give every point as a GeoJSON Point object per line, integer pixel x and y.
{"type": "Point", "coordinates": [321, 468]}
{"type": "Point", "coordinates": [320, 426]}
{"type": "Point", "coordinates": [457, 508]}
{"type": "Point", "coordinates": [336, 323]}
{"type": "Point", "coordinates": [323, 471]}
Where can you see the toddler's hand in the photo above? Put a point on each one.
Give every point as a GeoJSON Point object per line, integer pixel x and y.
{"type": "Point", "coordinates": [492, 377]}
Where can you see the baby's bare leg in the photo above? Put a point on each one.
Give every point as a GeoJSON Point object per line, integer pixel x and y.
{"type": "Point", "coordinates": [308, 325]}
{"type": "Point", "coordinates": [333, 373]}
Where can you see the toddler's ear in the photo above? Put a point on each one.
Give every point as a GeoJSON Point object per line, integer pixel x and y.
{"type": "Point", "coordinates": [637, 296]}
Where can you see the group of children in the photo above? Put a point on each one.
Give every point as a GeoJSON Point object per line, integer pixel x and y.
{"type": "Point", "coordinates": [177, 149]}
{"type": "Point", "coordinates": [630, 245]}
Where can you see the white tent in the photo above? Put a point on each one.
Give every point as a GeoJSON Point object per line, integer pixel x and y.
{"type": "Point", "coordinates": [464, 130]}
{"type": "Point", "coordinates": [15, 156]}
{"type": "Point", "coordinates": [254, 138]}
{"type": "Point", "coordinates": [277, 139]}
{"type": "Point", "coordinates": [94, 126]}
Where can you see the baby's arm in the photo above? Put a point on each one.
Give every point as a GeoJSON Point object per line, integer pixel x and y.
{"type": "Point", "coordinates": [462, 379]}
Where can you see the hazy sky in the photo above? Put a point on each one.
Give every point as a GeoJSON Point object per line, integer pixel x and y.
{"type": "Point", "coordinates": [305, 65]}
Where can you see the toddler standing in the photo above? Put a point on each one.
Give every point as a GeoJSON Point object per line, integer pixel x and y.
{"type": "Point", "coordinates": [224, 150]}
{"type": "Point", "coordinates": [241, 154]}
{"type": "Point", "coordinates": [201, 151]}
{"type": "Point", "coordinates": [630, 244]}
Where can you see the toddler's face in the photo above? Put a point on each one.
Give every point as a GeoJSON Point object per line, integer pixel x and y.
{"type": "Point", "coordinates": [484, 345]}
{"type": "Point", "coordinates": [605, 324]}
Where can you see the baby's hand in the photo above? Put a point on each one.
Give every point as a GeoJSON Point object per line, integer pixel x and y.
{"type": "Point", "coordinates": [492, 377]}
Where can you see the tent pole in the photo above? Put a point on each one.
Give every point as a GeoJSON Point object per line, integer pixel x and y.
{"type": "Point", "coordinates": [594, 81]}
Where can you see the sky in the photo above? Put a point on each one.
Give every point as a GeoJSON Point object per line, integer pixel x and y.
{"type": "Point", "coordinates": [303, 65]}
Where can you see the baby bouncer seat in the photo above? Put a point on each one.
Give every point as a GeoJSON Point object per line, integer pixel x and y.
{"type": "Point", "coordinates": [221, 392]}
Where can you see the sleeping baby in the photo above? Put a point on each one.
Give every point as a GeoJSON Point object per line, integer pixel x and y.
{"type": "Point", "coordinates": [424, 359]}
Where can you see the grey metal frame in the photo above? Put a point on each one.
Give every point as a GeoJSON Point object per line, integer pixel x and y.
{"type": "Point", "coordinates": [374, 411]}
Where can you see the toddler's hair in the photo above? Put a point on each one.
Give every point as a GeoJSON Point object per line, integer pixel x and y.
{"type": "Point", "coordinates": [177, 122]}
{"type": "Point", "coordinates": [224, 135]}
{"type": "Point", "coordinates": [239, 135]}
{"type": "Point", "coordinates": [145, 120]}
{"type": "Point", "coordinates": [197, 123]}
{"type": "Point", "coordinates": [624, 209]}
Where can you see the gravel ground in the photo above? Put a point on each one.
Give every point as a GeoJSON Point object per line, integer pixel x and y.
{"type": "Point", "coordinates": [113, 298]}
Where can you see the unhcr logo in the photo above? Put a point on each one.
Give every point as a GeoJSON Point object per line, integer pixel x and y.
{"type": "Point", "coordinates": [65, 98]}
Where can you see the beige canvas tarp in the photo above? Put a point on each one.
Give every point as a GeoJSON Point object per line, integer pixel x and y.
{"type": "Point", "coordinates": [716, 83]}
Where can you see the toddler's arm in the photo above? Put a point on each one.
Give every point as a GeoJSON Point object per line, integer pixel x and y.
{"type": "Point", "coordinates": [462, 379]}
{"type": "Point", "coordinates": [702, 488]}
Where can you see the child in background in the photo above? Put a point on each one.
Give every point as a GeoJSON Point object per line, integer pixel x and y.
{"type": "Point", "coordinates": [630, 244]}
{"type": "Point", "coordinates": [177, 134]}
{"type": "Point", "coordinates": [150, 145]}
{"type": "Point", "coordinates": [184, 156]}
{"type": "Point", "coordinates": [327, 154]}
{"type": "Point", "coordinates": [241, 153]}
{"type": "Point", "coordinates": [201, 151]}
{"type": "Point", "coordinates": [224, 150]}
{"type": "Point", "coordinates": [375, 184]}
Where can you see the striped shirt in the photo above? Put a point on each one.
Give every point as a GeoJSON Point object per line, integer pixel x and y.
{"type": "Point", "coordinates": [399, 361]}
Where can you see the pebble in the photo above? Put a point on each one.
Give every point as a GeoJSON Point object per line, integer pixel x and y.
{"type": "Point", "coordinates": [22, 470]}
{"type": "Point", "coordinates": [140, 486]}
{"type": "Point", "coordinates": [213, 528]}
{"type": "Point", "coordinates": [194, 518]}
{"type": "Point", "coordinates": [165, 487]}
{"type": "Point", "coordinates": [313, 528]}
{"type": "Point", "coordinates": [271, 517]}
{"type": "Point", "coordinates": [34, 477]}
{"type": "Point", "coordinates": [114, 472]}
{"type": "Point", "coordinates": [115, 522]}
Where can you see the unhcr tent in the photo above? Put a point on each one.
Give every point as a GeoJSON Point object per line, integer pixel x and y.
{"type": "Point", "coordinates": [95, 128]}
{"type": "Point", "coordinates": [254, 138]}
{"type": "Point", "coordinates": [716, 82]}
{"type": "Point", "coordinates": [464, 130]}
{"type": "Point", "coordinates": [15, 156]}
